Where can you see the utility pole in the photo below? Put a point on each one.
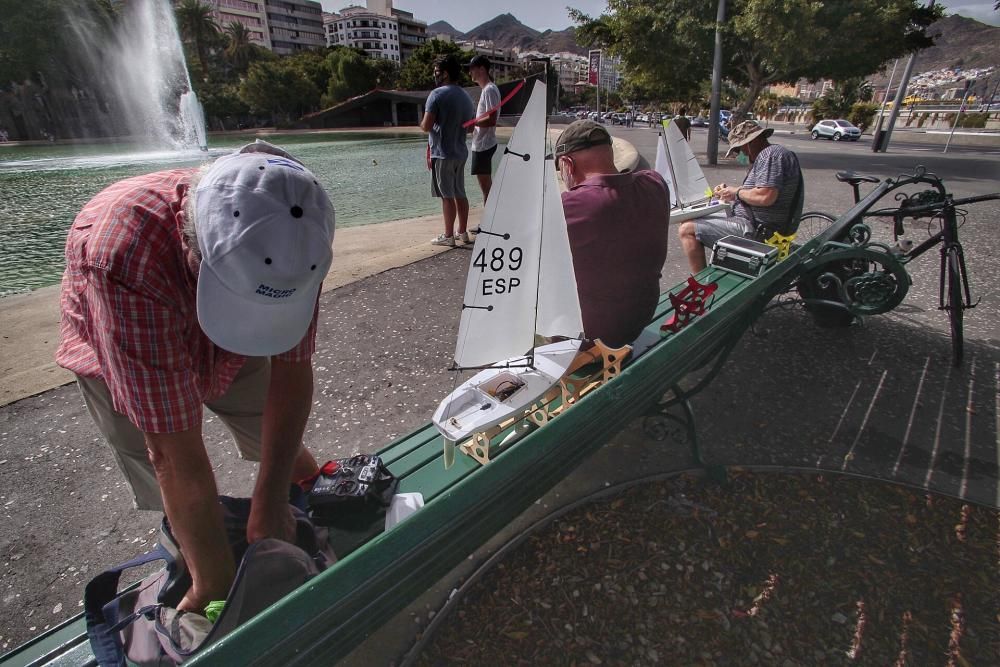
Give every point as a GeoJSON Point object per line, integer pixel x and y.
{"type": "Point", "coordinates": [877, 135]}
{"type": "Point", "coordinates": [713, 116]}
{"type": "Point", "coordinates": [600, 64]}
{"type": "Point", "coordinates": [900, 95]}
{"type": "Point", "coordinates": [958, 116]}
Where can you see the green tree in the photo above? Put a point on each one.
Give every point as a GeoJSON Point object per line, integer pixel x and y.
{"type": "Point", "coordinates": [198, 27]}
{"type": "Point", "coordinates": [839, 100]}
{"type": "Point", "coordinates": [417, 71]}
{"type": "Point", "coordinates": [279, 88]}
{"type": "Point", "coordinates": [351, 74]}
{"type": "Point", "coordinates": [668, 43]}
{"type": "Point", "coordinates": [41, 39]}
{"type": "Point", "coordinates": [239, 49]}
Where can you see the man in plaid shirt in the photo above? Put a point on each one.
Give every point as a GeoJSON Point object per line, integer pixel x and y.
{"type": "Point", "coordinates": [192, 287]}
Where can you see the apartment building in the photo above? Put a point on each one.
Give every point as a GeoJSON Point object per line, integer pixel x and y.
{"type": "Point", "coordinates": [412, 33]}
{"type": "Point", "coordinates": [295, 25]}
{"type": "Point", "coordinates": [248, 12]}
{"type": "Point", "coordinates": [504, 62]}
{"type": "Point", "coordinates": [361, 28]}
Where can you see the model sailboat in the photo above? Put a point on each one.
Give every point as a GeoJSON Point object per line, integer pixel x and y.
{"type": "Point", "coordinates": [690, 194]}
{"type": "Point", "coordinates": [521, 289]}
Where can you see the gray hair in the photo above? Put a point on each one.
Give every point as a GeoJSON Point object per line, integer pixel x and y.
{"type": "Point", "coordinates": [190, 229]}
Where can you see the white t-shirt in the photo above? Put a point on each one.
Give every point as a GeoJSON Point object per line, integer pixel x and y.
{"type": "Point", "coordinates": [484, 138]}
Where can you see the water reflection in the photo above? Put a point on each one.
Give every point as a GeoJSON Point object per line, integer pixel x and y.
{"type": "Point", "coordinates": [370, 177]}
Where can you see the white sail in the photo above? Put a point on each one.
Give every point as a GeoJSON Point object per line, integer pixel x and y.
{"type": "Point", "coordinates": [688, 178]}
{"type": "Point", "coordinates": [662, 167]}
{"type": "Point", "coordinates": [513, 252]}
{"type": "Point", "coordinates": [558, 299]}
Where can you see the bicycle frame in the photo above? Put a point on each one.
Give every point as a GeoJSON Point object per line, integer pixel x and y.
{"type": "Point", "coordinates": [873, 290]}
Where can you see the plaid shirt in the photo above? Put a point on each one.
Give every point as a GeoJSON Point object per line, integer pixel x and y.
{"type": "Point", "coordinates": [128, 306]}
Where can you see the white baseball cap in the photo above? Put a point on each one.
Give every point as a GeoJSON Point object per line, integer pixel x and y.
{"type": "Point", "coordinates": [265, 230]}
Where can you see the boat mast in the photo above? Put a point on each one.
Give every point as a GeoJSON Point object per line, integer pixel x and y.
{"type": "Point", "coordinates": [545, 60]}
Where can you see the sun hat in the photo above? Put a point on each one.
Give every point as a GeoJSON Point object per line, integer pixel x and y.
{"type": "Point", "coordinates": [744, 133]}
{"type": "Point", "coordinates": [265, 231]}
{"type": "Point", "coordinates": [581, 134]}
{"type": "Point", "coordinates": [480, 61]}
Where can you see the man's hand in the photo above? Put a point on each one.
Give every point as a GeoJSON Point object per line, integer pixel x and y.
{"type": "Point", "coordinates": [267, 520]}
{"type": "Point", "coordinates": [724, 193]}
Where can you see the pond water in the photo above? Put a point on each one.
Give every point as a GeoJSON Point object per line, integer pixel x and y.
{"type": "Point", "coordinates": [370, 178]}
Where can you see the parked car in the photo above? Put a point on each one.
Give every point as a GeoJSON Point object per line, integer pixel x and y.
{"type": "Point", "coordinates": [699, 121]}
{"type": "Point", "coordinates": [836, 130]}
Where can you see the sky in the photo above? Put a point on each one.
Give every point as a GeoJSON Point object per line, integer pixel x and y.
{"type": "Point", "coordinates": [551, 14]}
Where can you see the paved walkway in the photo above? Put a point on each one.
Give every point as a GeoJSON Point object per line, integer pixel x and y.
{"type": "Point", "coordinates": [879, 400]}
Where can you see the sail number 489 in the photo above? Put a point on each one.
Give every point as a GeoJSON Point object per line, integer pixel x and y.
{"type": "Point", "coordinates": [496, 261]}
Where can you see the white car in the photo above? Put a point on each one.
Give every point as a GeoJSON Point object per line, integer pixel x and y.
{"type": "Point", "coordinates": [836, 130]}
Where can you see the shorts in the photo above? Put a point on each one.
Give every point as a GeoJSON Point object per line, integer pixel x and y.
{"type": "Point", "coordinates": [241, 409]}
{"type": "Point", "coordinates": [710, 228]}
{"type": "Point", "coordinates": [448, 178]}
{"type": "Point", "coordinates": [482, 161]}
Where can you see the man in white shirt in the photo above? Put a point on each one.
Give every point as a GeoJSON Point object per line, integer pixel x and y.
{"type": "Point", "coordinates": [484, 136]}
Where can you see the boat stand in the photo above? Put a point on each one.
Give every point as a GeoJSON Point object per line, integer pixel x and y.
{"type": "Point", "coordinates": [571, 388]}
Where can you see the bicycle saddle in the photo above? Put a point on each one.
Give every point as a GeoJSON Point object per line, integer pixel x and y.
{"type": "Point", "coordinates": [855, 178]}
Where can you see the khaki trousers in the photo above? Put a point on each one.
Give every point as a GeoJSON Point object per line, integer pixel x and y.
{"type": "Point", "coordinates": [241, 409]}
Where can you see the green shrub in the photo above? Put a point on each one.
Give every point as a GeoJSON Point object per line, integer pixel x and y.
{"type": "Point", "coordinates": [862, 114]}
{"type": "Point", "coordinates": [973, 120]}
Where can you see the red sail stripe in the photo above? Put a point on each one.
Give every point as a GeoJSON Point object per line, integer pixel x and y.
{"type": "Point", "coordinates": [497, 107]}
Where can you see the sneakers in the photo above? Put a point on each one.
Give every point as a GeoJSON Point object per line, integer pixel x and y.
{"type": "Point", "coordinates": [466, 239]}
{"type": "Point", "coordinates": [448, 241]}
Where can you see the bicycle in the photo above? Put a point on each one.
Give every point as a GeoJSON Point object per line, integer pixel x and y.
{"type": "Point", "coordinates": [954, 295]}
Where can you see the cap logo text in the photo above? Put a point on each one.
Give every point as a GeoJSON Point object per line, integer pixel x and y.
{"type": "Point", "coordinates": [267, 290]}
{"type": "Point", "coordinates": [282, 162]}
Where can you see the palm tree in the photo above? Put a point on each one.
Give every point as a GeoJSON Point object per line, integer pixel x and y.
{"type": "Point", "coordinates": [197, 25]}
{"type": "Point", "coordinates": [240, 50]}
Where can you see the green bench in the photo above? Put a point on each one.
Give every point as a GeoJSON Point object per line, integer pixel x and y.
{"type": "Point", "coordinates": [467, 504]}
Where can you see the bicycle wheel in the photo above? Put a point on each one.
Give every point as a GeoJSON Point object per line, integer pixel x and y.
{"type": "Point", "coordinates": [812, 224]}
{"type": "Point", "coordinates": [956, 304]}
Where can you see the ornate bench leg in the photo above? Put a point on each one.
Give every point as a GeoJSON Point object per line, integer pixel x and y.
{"type": "Point", "coordinates": [655, 425]}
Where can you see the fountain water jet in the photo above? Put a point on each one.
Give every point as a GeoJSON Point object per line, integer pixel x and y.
{"type": "Point", "coordinates": [146, 76]}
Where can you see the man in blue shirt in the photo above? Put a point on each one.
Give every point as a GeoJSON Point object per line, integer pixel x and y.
{"type": "Point", "coordinates": [447, 109]}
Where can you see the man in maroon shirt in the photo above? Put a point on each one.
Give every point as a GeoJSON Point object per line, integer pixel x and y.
{"type": "Point", "coordinates": [191, 288]}
{"type": "Point", "coordinates": [618, 234]}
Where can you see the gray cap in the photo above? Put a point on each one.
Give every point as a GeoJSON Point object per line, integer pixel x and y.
{"type": "Point", "coordinates": [579, 135]}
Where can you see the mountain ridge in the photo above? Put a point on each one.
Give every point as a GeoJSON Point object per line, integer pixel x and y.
{"type": "Point", "coordinates": [960, 41]}
{"type": "Point", "coordinates": [507, 32]}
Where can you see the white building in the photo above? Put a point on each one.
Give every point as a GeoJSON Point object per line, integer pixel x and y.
{"type": "Point", "coordinates": [360, 28]}
{"type": "Point", "coordinates": [377, 28]}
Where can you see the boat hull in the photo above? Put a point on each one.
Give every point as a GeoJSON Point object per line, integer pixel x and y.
{"type": "Point", "coordinates": [475, 405]}
{"type": "Point", "coordinates": [695, 211]}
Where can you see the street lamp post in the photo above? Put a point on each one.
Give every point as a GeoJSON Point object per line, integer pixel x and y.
{"type": "Point", "coordinates": [713, 115]}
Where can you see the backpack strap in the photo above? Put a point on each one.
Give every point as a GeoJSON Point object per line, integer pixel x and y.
{"type": "Point", "coordinates": [100, 607]}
